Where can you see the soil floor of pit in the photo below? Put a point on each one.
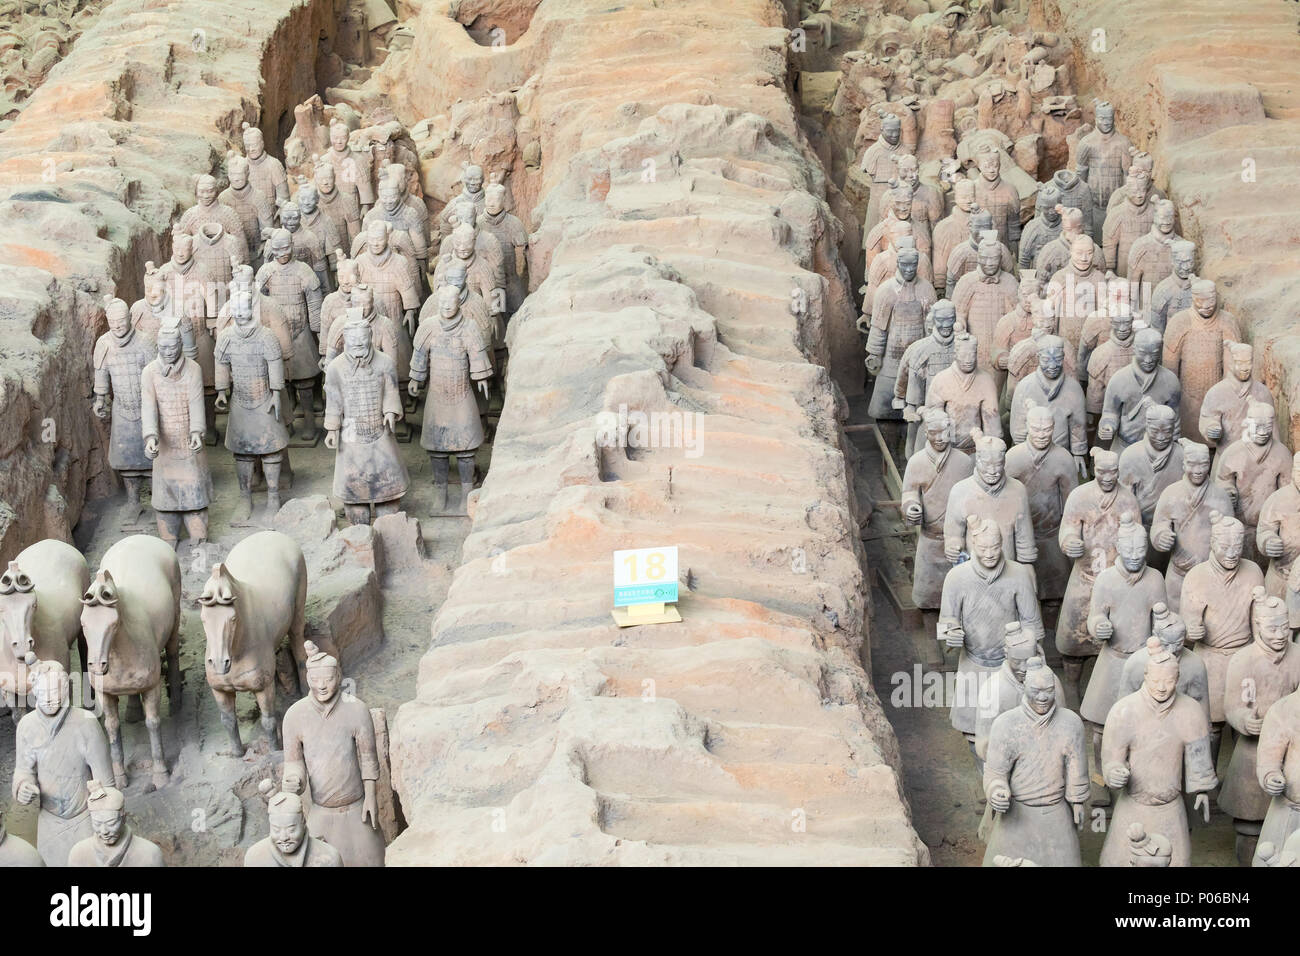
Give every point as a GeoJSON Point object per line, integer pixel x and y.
{"type": "Point", "coordinates": [210, 812]}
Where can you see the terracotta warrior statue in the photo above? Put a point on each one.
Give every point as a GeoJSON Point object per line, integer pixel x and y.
{"type": "Point", "coordinates": [390, 275]}
{"type": "Point", "coordinates": [250, 383]}
{"type": "Point", "coordinates": [329, 745]}
{"type": "Point", "coordinates": [1022, 359]}
{"type": "Point", "coordinates": [1173, 293]}
{"type": "Point", "coordinates": [113, 843]}
{"type": "Point", "coordinates": [1055, 255]}
{"type": "Point", "coordinates": [989, 494]}
{"type": "Point", "coordinates": [1079, 288]}
{"type": "Point", "coordinates": [1195, 342]}
{"type": "Point", "coordinates": [955, 229]}
{"type": "Point", "coordinates": [1153, 850]}
{"type": "Point", "coordinates": [964, 259]}
{"type": "Point", "coordinates": [192, 293]}
{"type": "Point", "coordinates": [209, 207]}
{"type": "Point", "coordinates": [120, 356]}
{"type": "Point", "coordinates": [1036, 776]}
{"type": "Point", "coordinates": [1127, 223]}
{"type": "Point", "coordinates": [1089, 529]}
{"type": "Point", "coordinates": [1223, 411]}
{"type": "Point", "coordinates": [1131, 390]}
{"type": "Point", "coordinates": [362, 408]}
{"type": "Point", "coordinates": [1102, 159]}
{"type": "Point", "coordinates": [1153, 464]}
{"type": "Point", "coordinates": [513, 237]}
{"type": "Point", "coordinates": [172, 423]}
{"type": "Point", "coordinates": [1042, 229]}
{"type": "Point", "coordinates": [928, 480]}
{"type": "Point", "coordinates": [1075, 194]}
{"type": "Point", "coordinates": [1101, 360]}
{"type": "Point", "coordinates": [351, 170]}
{"type": "Point", "coordinates": [984, 296]}
{"type": "Point", "coordinates": [927, 201]}
{"type": "Point", "coordinates": [1000, 198]}
{"type": "Point", "coordinates": [1253, 467]}
{"type": "Point", "coordinates": [1181, 524]}
{"type": "Point", "coordinates": [1150, 258]}
{"type": "Point", "coordinates": [1170, 637]}
{"type": "Point", "coordinates": [1278, 532]}
{"type": "Point", "coordinates": [967, 393]}
{"type": "Point", "coordinates": [385, 334]}
{"type": "Point", "coordinates": [256, 212]}
{"type": "Point", "coordinates": [1277, 768]}
{"type": "Point", "coordinates": [1120, 619]}
{"type": "Point", "coordinates": [474, 308]}
{"type": "Point", "coordinates": [1049, 474]}
{"type": "Point", "coordinates": [265, 172]}
{"type": "Point", "coordinates": [472, 191]}
{"type": "Point", "coordinates": [980, 597]}
{"type": "Point", "coordinates": [1005, 690]}
{"type": "Point", "coordinates": [295, 290]}
{"type": "Point", "coordinates": [57, 749]}
{"type": "Point", "coordinates": [879, 164]}
{"type": "Point", "coordinates": [1049, 387]}
{"type": "Point", "coordinates": [468, 246]}
{"type": "Point", "coordinates": [15, 851]}
{"type": "Point", "coordinates": [401, 219]}
{"type": "Point", "coordinates": [308, 246]}
{"type": "Point", "coordinates": [1018, 324]}
{"type": "Point", "coordinates": [337, 204]}
{"type": "Point", "coordinates": [334, 307]}
{"type": "Point", "coordinates": [333, 235]}
{"type": "Point", "coordinates": [452, 358]}
{"type": "Point", "coordinates": [1143, 165]}
{"type": "Point", "coordinates": [1215, 605]}
{"type": "Point", "coordinates": [1155, 747]}
{"type": "Point", "coordinates": [897, 320]}
{"type": "Point", "coordinates": [288, 843]}
{"type": "Point", "coordinates": [897, 209]}
{"type": "Point", "coordinates": [921, 362]}
{"type": "Point", "coordinates": [1259, 676]}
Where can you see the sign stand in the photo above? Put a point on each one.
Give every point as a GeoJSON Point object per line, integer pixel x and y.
{"type": "Point", "coordinates": [645, 587]}
{"type": "Point", "coordinates": [645, 614]}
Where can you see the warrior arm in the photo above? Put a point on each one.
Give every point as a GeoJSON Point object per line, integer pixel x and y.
{"type": "Point", "coordinates": [95, 751]}
{"type": "Point", "coordinates": [1099, 609]}
{"type": "Point", "coordinates": [1198, 764]}
{"type": "Point", "coordinates": [1236, 708]}
{"type": "Point", "coordinates": [1078, 426]}
{"type": "Point", "coordinates": [392, 399]}
{"type": "Point", "coordinates": [881, 313]}
{"type": "Point", "coordinates": [1274, 740]}
{"type": "Point", "coordinates": [1019, 416]}
{"type": "Point", "coordinates": [312, 294]}
{"type": "Point", "coordinates": [333, 402]}
{"type": "Point", "coordinates": [991, 420]}
{"type": "Point", "coordinates": [954, 524]}
{"type": "Point", "coordinates": [148, 406]}
{"type": "Point", "coordinates": [1083, 160]}
{"type": "Point", "coordinates": [222, 362]}
{"type": "Point", "coordinates": [1077, 785]}
{"type": "Point", "coordinates": [1112, 405]}
{"type": "Point", "coordinates": [1000, 760]}
{"type": "Point", "coordinates": [367, 751]}
{"type": "Point", "coordinates": [1211, 418]}
{"type": "Point", "coordinates": [198, 411]}
{"type": "Point", "coordinates": [1110, 241]}
{"type": "Point", "coordinates": [1115, 746]}
{"type": "Point", "coordinates": [1027, 611]}
{"type": "Point", "coordinates": [274, 364]}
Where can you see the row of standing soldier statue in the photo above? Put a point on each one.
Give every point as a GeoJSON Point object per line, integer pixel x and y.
{"type": "Point", "coordinates": [266, 301]}
{"type": "Point", "coordinates": [269, 299]}
{"type": "Point", "coordinates": [1105, 357]}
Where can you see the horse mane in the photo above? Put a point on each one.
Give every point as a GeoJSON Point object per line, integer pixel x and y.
{"type": "Point", "coordinates": [102, 591]}
{"type": "Point", "coordinates": [219, 588]}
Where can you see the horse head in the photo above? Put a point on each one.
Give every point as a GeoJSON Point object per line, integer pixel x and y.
{"type": "Point", "coordinates": [219, 619]}
{"type": "Point", "coordinates": [99, 621]}
{"type": "Point", "coordinates": [17, 607]}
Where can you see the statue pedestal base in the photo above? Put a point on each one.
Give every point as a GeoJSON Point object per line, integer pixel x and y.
{"type": "Point", "coordinates": [659, 613]}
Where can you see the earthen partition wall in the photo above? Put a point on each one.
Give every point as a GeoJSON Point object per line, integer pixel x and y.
{"type": "Point", "coordinates": [682, 216]}
{"type": "Point", "coordinates": [92, 173]}
{"type": "Point", "coordinates": [1216, 101]}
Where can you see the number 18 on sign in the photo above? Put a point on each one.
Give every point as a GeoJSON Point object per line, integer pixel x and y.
{"type": "Point", "coordinates": [645, 586]}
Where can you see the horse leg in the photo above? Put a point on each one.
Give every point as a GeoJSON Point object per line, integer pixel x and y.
{"type": "Point", "coordinates": [153, 720]}
{"type": "Point", "coordinates": [88, 697]}
{"type": "Point", "coordinates": [270, 725]}
{"type": "Point", "coordinates": [226, 704]}
{"type": "Point", "coordinates": [134, 709]}
{"type": "Point", "coordinates": [298, 637]}
{"type": "Point", "coordinates": [113, 726]}
{"type": "Point", "coordinates": [174, 695]}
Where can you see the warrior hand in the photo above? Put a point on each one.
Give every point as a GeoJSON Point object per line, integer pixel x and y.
{"type": "Point", "coordinates": [1117, 777]}
{"type": "Point", "coordinates": [1214, 432]}
{"type": "Point", "coordinates": [1273, 547]}
{"type": "Point", "coordinates": [1082, 464]}
{"type": "Point", "coordinates": [951, 550]}
{"type": "Point", "coordinates": [486, 389]}
{"type": "Point", "coordinates": [369, 811]}
{"type": "Point", "coordinates": [151, 447]}
{"type": "Point", "coordinates": [1163, 539]}
{"type": "Point", "coordinates": [873, 364]}
{"type": "Point", "coordinates": [390, 421]}
{"type": "Point", "coordinates": [323, 363]}
{"type": "Point", "coordinates": [1254, 724]}
{"type": "Point", "coordinates": [196, 441]}
{"type": "Point", "coordinates": [955, 637]}
{"type": "Point", "coordinates": [1274, 783]}
{"type": "Point", "coordinates": [409, 319]}
{"type": "Point", "coordinates": [332, 440]}
{"type": "Point", "coordinates": [910, 414]}
{"type": "Point", "coordinates": [27, 792]}
{"type": "Point", "coordinates": [1073, 548]}
{"type": "Point", "coordinates": [1105, 430]}
{"type": "Point", "coordinates": [274, 406]}
{"type": "Point", "coordinates": [1202, 805]}
{"type": "Point", "coordinates": [100, 408]}
{"type": "Point", "coordinates": [1105, 630]}
{"type": "Point", "coordinates": [1000, 798]}
{"type": "Point", "coordinates": [912, 511]}
{"type": "Point", "coordinates": [1078, 813]}
{"type": "Point", "coordinates": [1195, 632]}
{"type": "Point", "coordinates": [864, 324]}
{"type": "Point", "coordinates": [413, 388]}
{"type": "Point", "coordinates": [223, 401]}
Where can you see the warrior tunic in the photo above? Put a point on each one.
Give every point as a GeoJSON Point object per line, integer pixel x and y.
{"type": "Point", "coordinates": [928, 480]}
{"type": "Point", "coordinates": [1007, 504]}
{"type": "Point", "coordinates": [1001, 693]}
{"type": "Point", "coordinates": [249, 364]}
{"type": "Point", "coordinates": [1280, 519]}
{"type": "Point", "coordinates": [171, 405]}
{"type": "Point", "coordinates": [1012, 329]}
{"type": "Point", "coordinates": [1218, 600]}
{"type": "Point", "coordinates": [1194, 348]}
{"type": "Point", "coordinates": [1091, 515]}
{"type": "Point", "coordinates": [949, 233]}
{"type": "Point", "coordinates": [15, 851]}
{"type": "Point", "coordinates": [983, 602]}
{"type": "Point", "coordinates": [1258, 677]}
{"type": "Point", "coordinates": [922, 360]}
{"type": "Point", "coordinates": [1124, 226]}
{"type": "Point", "coordinates": [879, 164]}
{"type": "Point", "coordinates": [1192, 678]}
{"type": "Point", "coordinates": [1106, 158]}
{"type": "Point", "coordinates": [1278, 751]}
{"type": "Point", "coordinates": [199, 215]}
{"type": "Point", "coordinates": [266, 175]}
{"type": "Point", "coordinates": [964, 259]}
{"type": "Point", "coordinates": [1184, 509]}
{"type": "Point", "coordinates": [60, 754]}
{"type": "Point", "coordinates": [1226, 404]}
{"type": "Point", "coordinates": [118, 364]}
{"type": "Point", "coordinates": [340, 207]}
{"type": "Point", "coordinates": [1037, 233]}
{"type": "Point", "coordinates": [188, 288]}
{"type": "Point", "coordinates": [981, 300]}
{"type": "Point", "coordinates": [368, 468]}
{"type": "Point", "coordinates": [1254, 472]}
{"type": "Point", "coordinates": [130, 851]}
{"type": "Point", "coordinates": [1076, 194]}
{"type": "Point", "coordinates": [1126, 600]}
{"type": "Point", "coordinates": [971, 401]}
{"type": "Point", "coordinates": [296, 292]}
{"type": "Point", "coordinates": [1147, 473]}
{"type": "Point", "coordinates": [1003, 202]}
{"type": "Point", "coordinates": [1022, 361]}
{"type": "Point", "coordinates": [1042, 759]}
{"type": "Point", "coordinates": [1166, 747]}
{"type": "Point", "coordinates": [1048, 476]}
{"type": "Point", "coordinates": [897, 320]}
{"type": "Point", "coordinates": [1055, 256]}
{"type": "Point", "coordinates": [312, 852]}
{"type": "Point", "coordinates": [390, 276]}
{"type": "Point", "coordinates": [1150, 262]}
{"type": "Point", "coordinates": [1064, 397]}
{"type": "Point", "coordinates": [1106, 360]}
{"type": "Point", "coordinates": [1171, 296]}
{"type": "Point", "coordinates": [256, 215]}
{"type": "Point", "coordinates": [451, 357]}
{"type": "Point", "coordinates": [1129, 393]}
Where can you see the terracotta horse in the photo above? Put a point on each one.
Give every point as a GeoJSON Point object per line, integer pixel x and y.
{"type": "Point", "coordinates": [249, 604]}
{"type": "Point", "coordinates": [39, 612]}
{"type": "Point", "coordinates": [131, 614]}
